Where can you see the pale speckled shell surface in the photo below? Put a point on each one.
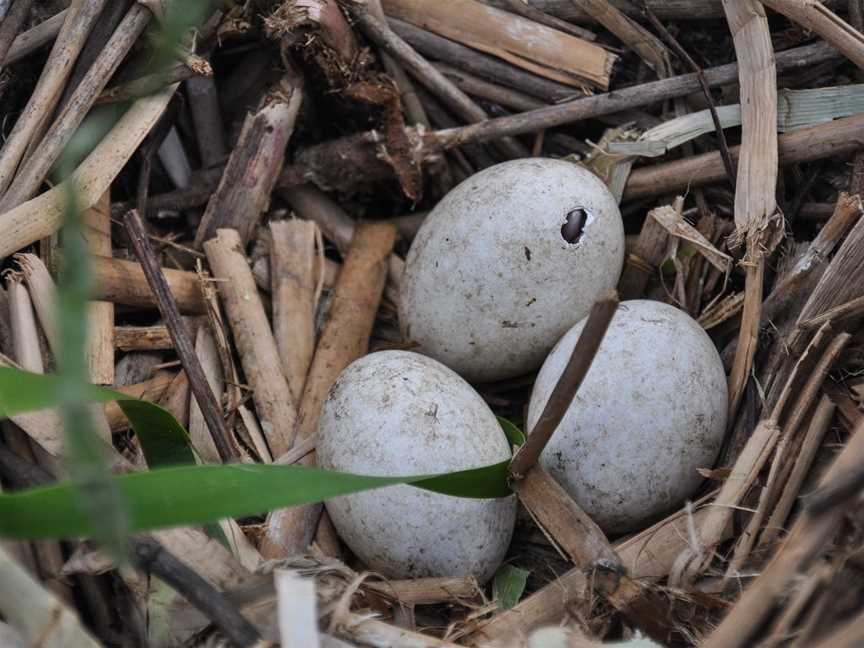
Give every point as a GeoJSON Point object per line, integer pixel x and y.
{"type": "Point", "coordinates": [397, 413]}
{"type": "Point", "coordinates": [490, 283]}
{"type": "Point", "coordinates": [651, 411]}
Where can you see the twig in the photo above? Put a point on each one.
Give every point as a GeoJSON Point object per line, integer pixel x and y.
{"type": "Point", "coordinates": [151, 556]}
{"type": "Point", "coordinates": [810, 445]}
{"type": "Point", "coordinates": [639, 265]}
{"type": "Point", "coordinates": [123, 282]}
{"type": "Point", "coordinates": [852, 308]}
{"type": "Point", "coordinates": [338, 227]}
{"type": "Point", "coordinates": [211, 410]}
{"type": "Point", "coordinates": [78, 22]}
{"type": "Point", "coordinates": [369, 631]}
{"type": "Point", "coordinates": [35, 169]}
{"type": "Point", "coordinates": [39, 616]}
{"type": "Point", "coordinates": [150, 83]}
{"type": "Point", "coordinates": [12, 23]}
{"type": "Point", "coordinates": [43, 215]}
{"type": "Point", "coordinates": [631, 33]}
{"type": "Point", "coordinates": [484, 65]}
{"type": "Point", "coordinates": [816, 17]}
{"type": "Point", "coordinates": [649, 555]}
{"type": "Point", "coordinates": [253, 337]}
{"type": "Point", "coordinates": [478, 87]}
{"type": "Point", "coordinates": [425, 591]}
{"type": "Point", "coordinates": [756, 219]}
{"type": "Point", "coordinates": [623, 99]}
{"type": "Point", "coordinates": [526, 43]}
{"type": "Point", "coordinates": [142, 338]}
{"type": "Point", "coordinates": [753, 459]}
{"type": "Point", "coordinates": [22, 321]}
{"type": "Point", "coordinates": [681, 53]}
{"type": "Point", "coordinates": [787, 448]}
{"type": "Point", "coordinates": [410, 102]}
{"type": "Point", "coordinates": [809, 535]}
{"type": "Point", "coordinates": [568, 384]}
{"type": "Point", "coordinates": [152, 390]}
{"type": "Point", "coordinates": [254, 166]}
{"type": "Point", "coordinates": [354, 161]}
{"type": "Point", "coordinates": [836, 492]}
{"type": "Point", "coordinates": [35, 37]}
{"type": "Point", "coordinates": [526, 10]}
{"type": "Point", "coordinates": [803, 276]}
{"type": "Point", "coordinates": [148, 151]}
{"type": "Point", "coordinates": [381, 34]}
{"type": "Point", "coordinates": [801, 145]}
{"type": "Point", "coordinates": [569, 527]}
{"type": "Point", "coordinates": [103, 28]}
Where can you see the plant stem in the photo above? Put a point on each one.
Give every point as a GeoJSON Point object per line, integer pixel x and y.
{"type": "Point", "coordinates": [568, 384]}
{"type": "Point", "coordinates": [179, 335]}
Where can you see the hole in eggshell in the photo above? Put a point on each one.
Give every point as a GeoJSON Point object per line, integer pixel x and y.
{"type": "Point", "coordinates": [574, 225]}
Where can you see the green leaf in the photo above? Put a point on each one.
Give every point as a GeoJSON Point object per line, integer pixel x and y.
{"type": "Point", "coordinates": [508, 585]}
{"type": "Point", "coordinates": [164, 441]}
{"type": "Point", "coordinates": [86, 455]}
{"type": "Point", "coordinates": [22, 391]}
{"type": "Point", "coordinates": [514, 435]}
{"type": "Point", "coordinates": [171, 495]}
{"type": "Point", "coordinates": [197, 494]}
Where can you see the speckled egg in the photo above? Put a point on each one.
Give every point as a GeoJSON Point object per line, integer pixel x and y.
{"type": "Point", "coordinates": [397, 413]}
{"type": "Point", "coordinates": [506, 263]}
{"type": "Point", "coordinates": [651, 411]}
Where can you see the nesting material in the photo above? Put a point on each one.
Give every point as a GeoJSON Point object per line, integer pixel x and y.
{"type": "Point", "coordinates": [506, 263]}
{"type": "Point", "coordinates": [399, 413]}
{"type": "Point", "coordinates": [651, 411]}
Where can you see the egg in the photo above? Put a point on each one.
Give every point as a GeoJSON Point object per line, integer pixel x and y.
{"type": "Point", "coordinates": [650, 412]}
{"type": "Point", "coordinates": [508, 261]}
{"type": "Point", "coordinates": [394, 413]}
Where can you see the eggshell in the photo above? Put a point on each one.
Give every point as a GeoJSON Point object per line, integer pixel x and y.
{"type": "Point", "coordinates": [651, 411]}
{"type": "Point", "coordinates": [491, 283]}
{"type": "Point", "coordinates": [399, 413]}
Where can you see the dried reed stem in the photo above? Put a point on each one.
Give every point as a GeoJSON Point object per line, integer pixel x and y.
{"type": "Point", "coordinates": [43, 215]}
{"type": "Point", "coordinates": [79, 20]}
{"type": "Point", "coordinates": [254, 166]}
{"type": "Point", "coordinates": [199, 433]}
{"type": "Point", "coordinates": [123, 282]}
{"type": "Point", "coordinates": [210, 407]}
{"type": "Point", "coordinates": [568, 384]}
{"type": "Point", "coordinates": [806, 540]}
{"type": "Point", "coordinates": [254, 339]}
{"type": "Point", "coordinates": [344, 339]}
{"type": "Point", "coordinates": [295, 288]}
{"type": "Point", "coordinates": [756, 219]}
{"type": "Point", "coordinates": [819, 19]}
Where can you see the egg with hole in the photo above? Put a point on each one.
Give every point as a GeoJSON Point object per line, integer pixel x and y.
{"type": "Point", "coordinates": [508, 261]}
{"type": "Point", "coordinates": [650, 412]}
{"type": "Point", "coordinates": [396, 413]}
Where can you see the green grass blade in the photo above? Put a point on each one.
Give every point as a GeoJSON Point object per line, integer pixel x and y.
{"type": "Point", "coordinates": [171, 495]}
{"type": "Point", "coordinates": [164, 441]}
{"type": "Point", "coordinates": [198, 494]}
{"type": "Point", "coordinates": [86, 455]}
{"type": "Point", "coordinates": [514, 435]}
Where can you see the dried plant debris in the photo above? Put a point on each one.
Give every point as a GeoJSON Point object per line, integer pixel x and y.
{"type": "Point", "coordinates": [257, 189]}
